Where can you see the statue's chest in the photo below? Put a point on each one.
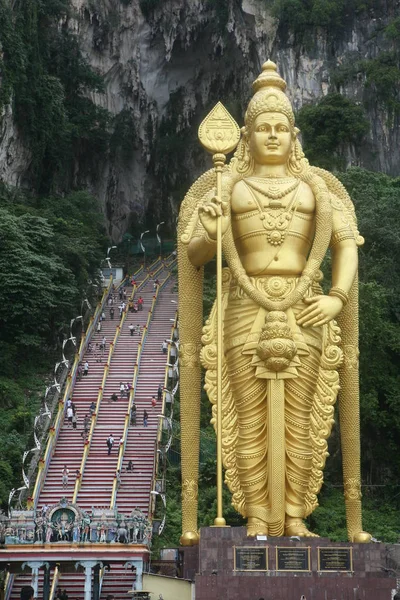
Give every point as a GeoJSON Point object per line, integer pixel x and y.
{"type": "Point", "coordinates": [274, 209]}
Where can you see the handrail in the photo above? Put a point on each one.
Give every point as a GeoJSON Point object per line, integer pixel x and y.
{"type": "Point", "coordinates": [121, 450]}
{"type": "Point", "coordinates": [54, 583]}
{"type": "Point", "coordinates": [78, 481]}
{"type": "Point", "coordinates": [8, 584]}
{"type": "Point", "coordinates": [152, 499]}
{"type": "Point", "coordinates": [54, 430]}
{"type": "Point", "coordinates": [88, 442]}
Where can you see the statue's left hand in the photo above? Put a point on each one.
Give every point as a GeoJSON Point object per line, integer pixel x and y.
{"type": "Point", "coordinates": [321, 310]}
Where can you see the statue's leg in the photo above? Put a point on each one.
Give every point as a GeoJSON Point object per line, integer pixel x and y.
{"type": "Point", "coordinates": [250, 395]}
{"type": "Point", "coordinates": [299, 395]}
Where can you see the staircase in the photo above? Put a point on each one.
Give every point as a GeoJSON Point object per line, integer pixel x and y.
{"type": "Point", "coordinates": [70, 443]}
{"type": "Point", "coordinates": [140, 446]}
{"type": "Point", "coordinates": [98, 477]}
{"type": "Point", "coordinates": [25, 578]}
{"type": "Point", "coordinates": [118, 582]}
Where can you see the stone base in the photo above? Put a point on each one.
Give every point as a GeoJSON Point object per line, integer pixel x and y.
{"type": "Point", "coordinates": [372, 576]}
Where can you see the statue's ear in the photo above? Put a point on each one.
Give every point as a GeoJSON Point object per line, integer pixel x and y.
{"type": "Point", "coordinates": [296, 131]}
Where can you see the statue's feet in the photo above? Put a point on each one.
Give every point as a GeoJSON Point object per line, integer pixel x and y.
{"type": "Point", "coordinates": [361, 537]}
{"type": "Point", "coordinates": [190, 538]}
{"type": "Point", "coordinates": [297, 527]}
{"type": "Point", "coordinates": [256, 527]}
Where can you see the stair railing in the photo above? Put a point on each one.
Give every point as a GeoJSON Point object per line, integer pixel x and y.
{"type": "Point", "coordinates": [54, 583]}
{"type": "Point", "coordinates": [121, 450]}
{"type": "Point", "coordinates": [8, 584]}
{"type": "Point", "coordinates": [153, 497]}
{"type": "Point", "coordinates": [88, 442]}
{"type": "Point", "coordinates": [59, 419]}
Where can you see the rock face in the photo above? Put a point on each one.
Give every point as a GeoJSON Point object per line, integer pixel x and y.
{"type": "Point", "coordinates": [167, 67]}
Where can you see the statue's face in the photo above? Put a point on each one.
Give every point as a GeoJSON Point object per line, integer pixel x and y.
{"type": "Point", "coordinates": [271, 139]}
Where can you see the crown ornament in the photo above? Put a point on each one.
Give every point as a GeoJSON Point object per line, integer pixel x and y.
{"type": "Point", "coordinates": [269, 96]}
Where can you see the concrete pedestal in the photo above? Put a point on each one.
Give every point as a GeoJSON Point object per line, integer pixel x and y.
{"type": "Point", "coordinates": [372, 576]}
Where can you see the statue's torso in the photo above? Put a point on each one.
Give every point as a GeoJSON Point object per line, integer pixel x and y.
{"type": "Point", "coordinates": [273, 225]}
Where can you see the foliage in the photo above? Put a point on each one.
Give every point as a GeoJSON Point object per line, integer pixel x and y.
{"type": "Point", "coordinates": [328, 126]}
{"type": "Point", "coordinates": [301, 16]}
{"type": "Point", "coordinates": [377, 200]}
{"type": "Point", "coordinates": [49, 249]}
{"type": "Point", "coordinates": [47, 79]}
{"type": "Point", "coordinates": [329, 519]}
{"type": "Point", "coordinates": [382, 74]}
{"type": "Point", "coordinates": [392, 30]}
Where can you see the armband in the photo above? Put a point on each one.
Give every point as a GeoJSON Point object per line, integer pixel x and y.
{"type": "Point", "coordinates": [341, 235]}
{"type": "Point", "coordinates": [337, 292]}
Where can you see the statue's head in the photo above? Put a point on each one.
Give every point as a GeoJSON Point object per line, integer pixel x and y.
{"type": "Point", "coordinates": [269, 135]}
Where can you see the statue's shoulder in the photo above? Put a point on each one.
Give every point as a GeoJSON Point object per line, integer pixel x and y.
{"type": "Point", "coordinates": [239, 188]}
{"type": "Point", "coordinates": [306, 190]}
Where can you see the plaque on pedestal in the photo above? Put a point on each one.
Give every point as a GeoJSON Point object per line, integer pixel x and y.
{"type": "Point", "coordinates": [335, 559]}
{"type": "Point", "coordinates": [292, 559]}
{"type": "Point", "coordinates": [250, 558]}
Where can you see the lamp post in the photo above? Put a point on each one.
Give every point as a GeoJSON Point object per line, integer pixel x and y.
{"type": "Point", "coordinates": [107, 259]}
{"type": "Point", "coordinates": [158, 236]}
{"type": "Point", "coordinates": [142, 247]}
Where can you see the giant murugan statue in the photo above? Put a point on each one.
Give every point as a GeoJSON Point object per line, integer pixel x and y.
{"type": "Point", "coordinates": [288, 348]}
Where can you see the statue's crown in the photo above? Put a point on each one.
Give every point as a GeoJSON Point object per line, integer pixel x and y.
{"type": "Point", "coordinates": [269, 95]}
{"type": "Point", "coordinates": [269, 77]}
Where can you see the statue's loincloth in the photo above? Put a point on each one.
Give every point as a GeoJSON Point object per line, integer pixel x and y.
{"type": "Point", "coordinates": [311, 383]}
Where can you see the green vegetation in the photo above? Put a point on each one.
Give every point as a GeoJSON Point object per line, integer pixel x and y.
{"type": "Point", "coordinates": [49, 249]}
{"type": "Point", "coordinates": [302, 16]}
{"type": "Point", "coordinates": [382, 75]}
{"type": "Point", "coordinates": [328, 126]}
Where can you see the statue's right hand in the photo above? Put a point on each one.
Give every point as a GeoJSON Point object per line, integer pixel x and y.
{"type": "Point", "coordinates": [209, 213]}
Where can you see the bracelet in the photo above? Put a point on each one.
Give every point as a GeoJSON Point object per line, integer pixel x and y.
{"type": "Point", "coordinates": [204, 235]}
{"type": "Point", "coordinates": [339, 293]}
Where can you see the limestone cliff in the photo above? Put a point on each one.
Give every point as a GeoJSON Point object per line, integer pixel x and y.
{"type": "Point", "coordinates": [167, 67]}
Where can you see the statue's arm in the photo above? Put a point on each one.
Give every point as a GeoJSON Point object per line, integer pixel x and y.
{"type": "Point", "coordinates": [201, 248]}
{"type": "Point", "coordinates": [343, 250]}
{"type": "Point", "coordinates": [322, 309]}
{"type": "Point", "coordinates": [203, 243]}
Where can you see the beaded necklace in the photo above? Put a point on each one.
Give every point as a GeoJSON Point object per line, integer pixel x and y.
{"type": "Point", "coordinates": [274, 193]}
{"type": "Point", "coordinates": [276, 220]}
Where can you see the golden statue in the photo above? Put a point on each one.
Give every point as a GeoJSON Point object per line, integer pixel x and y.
{"type": "Point", "coordinates": [287, 347]}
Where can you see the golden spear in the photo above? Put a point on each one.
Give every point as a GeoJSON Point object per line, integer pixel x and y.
{"type": "Point", "coordinates": [219, 134]}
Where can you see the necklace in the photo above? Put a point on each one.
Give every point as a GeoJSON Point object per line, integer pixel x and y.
{"type": "Point", "coordinates": [276, 220]}
{"type": "Point", "coordinates": [276, 178]}
{"type": "Point", "coordinates": [274, 193]}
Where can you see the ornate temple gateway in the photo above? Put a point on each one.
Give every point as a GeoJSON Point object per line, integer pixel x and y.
{"type": "Point", "coordinates": [65, 536]}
